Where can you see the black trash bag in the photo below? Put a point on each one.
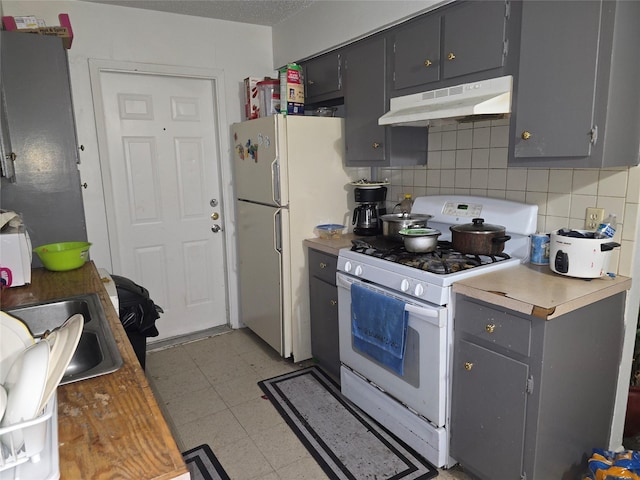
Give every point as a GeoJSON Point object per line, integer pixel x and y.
{"type": "Point", "coordinates": [138, 313]}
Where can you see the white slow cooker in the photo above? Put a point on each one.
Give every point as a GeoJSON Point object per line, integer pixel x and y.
{"type": "Point", "coordinates": [576, 253]}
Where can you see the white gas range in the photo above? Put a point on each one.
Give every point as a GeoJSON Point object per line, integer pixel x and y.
{"type": "Point", "coordinates": [414, 402]}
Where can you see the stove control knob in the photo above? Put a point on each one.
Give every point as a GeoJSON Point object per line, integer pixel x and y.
{"type": "Point", "coordinates": [347, 267]}
{"type": "Point", "coordinates": [358, 271]}
{"type": "Point", "coordinates": [419, 290]}
{"type": "Point", "coordinates": [404, 285]}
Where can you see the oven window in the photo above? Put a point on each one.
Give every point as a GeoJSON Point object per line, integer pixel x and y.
{"type": "Point", "coordinates": [411, 359]}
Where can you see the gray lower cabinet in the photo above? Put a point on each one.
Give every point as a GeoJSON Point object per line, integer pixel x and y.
{"type": "Point", "coordinates": [531, 397]}
{"type": "Point", "coordinates": [323, 298]}
{"type": "Point", "coordinates": [368, 144]}
{"type": "Point", "coordinates": [41, 130]}
{"type": "Point", "coordinates": [323, 79]}
{"type": "Point", "coordinates": [577, 80]}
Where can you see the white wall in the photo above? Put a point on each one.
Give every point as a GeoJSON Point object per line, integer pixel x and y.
{"type": "Point", "coordinates": [135, 35]}
{"type": "Point", "coordinates": [327, 24]}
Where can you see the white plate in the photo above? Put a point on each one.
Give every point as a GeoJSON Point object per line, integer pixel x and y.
{"type": "Point", "coordinates": [25, 384]}
{"type": "Point", "coordinates": [14, 338]}
{"type": "Point", "coordinates": [63, 343]}
{"type": "Point", "coordinates": [3, 401]}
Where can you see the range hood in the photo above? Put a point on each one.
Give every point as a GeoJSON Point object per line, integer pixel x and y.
{"type": "Point", "coordinates": [470, 101]}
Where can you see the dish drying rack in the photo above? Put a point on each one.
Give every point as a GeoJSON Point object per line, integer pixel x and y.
{"type": "Point", "coordinates": [32, 461]}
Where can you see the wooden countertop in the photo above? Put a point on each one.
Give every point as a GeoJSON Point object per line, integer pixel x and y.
{"type": "Point", "coordinates": [109, 426]}
{"type": "Point", "coordinates": [536, 290]}
{"type": "Point", "coordinates": [330, 246]}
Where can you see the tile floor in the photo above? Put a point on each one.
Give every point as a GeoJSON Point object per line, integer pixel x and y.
{"type": "Point", "coordinates": [209, 393]}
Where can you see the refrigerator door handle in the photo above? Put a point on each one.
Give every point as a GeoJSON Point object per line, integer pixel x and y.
{"type": "Point", "coordinates": [275, 180]}
{"type": "Point", "coordinates": [277, 231]}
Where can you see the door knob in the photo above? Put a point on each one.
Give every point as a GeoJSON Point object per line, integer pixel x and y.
{"type": "Point", "coordinates": [216, 229]}
{"type": "Point", "coordinates": [468, 366]}
{"type": "Point", "coordinates": [428, 63]}
{"type": "Point", "coordinates": [451, 56]}
{"type": "Point", "coordinates": [215, 216]}
{"type": "Point", "coordinates": [490, 328]}
{"type": "Point", "coordinates": [375, 145]}
{"type": "Point", "coordinates": [526, 135]}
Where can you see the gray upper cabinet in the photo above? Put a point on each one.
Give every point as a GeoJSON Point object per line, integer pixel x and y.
{"type": "Point", "coordinates": [323, 78]}
{"type": "Point", "coordinates": [41, 127]}
{"type": "Point", "coordinates": [474, 38]}
{"type": "Point", "coordinates": [576, 85]}
{"type": "Point", "coordinates": [463, 39]}
{"type": "Point", "coordinates": [416, 53]}
{"type": "Point", "coordinates": [365, 100]}
{"type": "Point", "coordinates": [7, 155]}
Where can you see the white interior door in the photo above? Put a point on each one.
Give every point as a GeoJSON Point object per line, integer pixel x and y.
{"type": "Point", "coordinates": [162, 174]}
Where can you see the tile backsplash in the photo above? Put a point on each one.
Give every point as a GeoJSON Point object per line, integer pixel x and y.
{"type": "Point", "coordinates": [471, 159]}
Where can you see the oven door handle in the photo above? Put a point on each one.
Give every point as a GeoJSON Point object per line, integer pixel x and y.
{"type": "Point", "coordinates": [430, 314]}
{"type": "Point", "coordinates": [424, 312]}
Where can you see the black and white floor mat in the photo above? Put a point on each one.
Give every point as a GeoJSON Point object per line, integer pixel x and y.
{"type": "Point", "coordinates": [344, 440]}
{"type": "Point", "coordinates": [203, 464]}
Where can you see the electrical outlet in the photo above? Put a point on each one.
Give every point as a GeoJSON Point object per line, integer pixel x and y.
{"type": "Point", "coordinates": [593, 218]}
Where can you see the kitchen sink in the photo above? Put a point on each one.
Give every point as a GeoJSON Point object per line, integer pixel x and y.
{"type": "Point", "coordinates": [97, 352]}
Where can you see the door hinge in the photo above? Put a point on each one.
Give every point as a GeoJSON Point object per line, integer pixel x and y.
{"type": "Point", "coordinates": [594, 134]}
{"type": "Point", "coordinates": [523, 476]}
{"type": "Point", "coordinates": [505, 50]}
{"type": "Point", "coordinates": [507, 9]}
{"type": "Point", "coordinates": [530, 385]}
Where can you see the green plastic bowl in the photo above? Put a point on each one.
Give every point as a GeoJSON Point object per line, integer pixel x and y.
{"type": "Point", "coordinates": [63, 256]}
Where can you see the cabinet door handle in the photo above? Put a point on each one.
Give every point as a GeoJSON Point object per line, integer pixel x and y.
{"type": "Point", "coordinates": [333, 303]}
{"type": "Point", "coordinates": [468, 366]}
{"type": "Point", "coordinates": [323, 265]}
{"type": "Point", "coordinates": [526, 135]}
{"type": "Point", "coordinates": [451, 56]}
{"type": "Point", "coordinates": [310, 82]}
{"type": "Point", "coordinates": [375, 145]}
{"type": "Point", "coordinates": [490, 328]}
{"type": "Point", "coordinates": [428, 63]}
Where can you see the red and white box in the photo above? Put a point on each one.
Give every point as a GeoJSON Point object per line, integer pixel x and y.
{"type": "Point", "coordinates": [251, 99]}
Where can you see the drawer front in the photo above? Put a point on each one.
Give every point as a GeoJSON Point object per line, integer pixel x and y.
{"type": "Point", "coordinates": [493, 325]}
{"type": "Point", "coordinates": [323, 266]}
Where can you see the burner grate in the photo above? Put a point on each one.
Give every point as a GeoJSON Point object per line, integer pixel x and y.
{"type": "Point", "coordinates": [442, 261]}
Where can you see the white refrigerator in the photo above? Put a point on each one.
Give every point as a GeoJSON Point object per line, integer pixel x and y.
{"type": "Point", "coordinates": [289, 177]}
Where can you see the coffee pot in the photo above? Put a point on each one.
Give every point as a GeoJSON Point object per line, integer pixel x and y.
{"type": "Point", "coordinates": [366, 220]}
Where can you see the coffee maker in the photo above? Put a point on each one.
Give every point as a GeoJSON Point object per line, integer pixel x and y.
{"type": "Point", "coordinates": [366, 216]}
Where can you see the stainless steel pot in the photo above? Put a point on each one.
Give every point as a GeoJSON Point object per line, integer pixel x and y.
{"type": "Point", "coordinates": [392, 223]}
{"type": "Point", "coordinates": [478, 238]}
{"type": "Point", "coordinates": [420, 240]}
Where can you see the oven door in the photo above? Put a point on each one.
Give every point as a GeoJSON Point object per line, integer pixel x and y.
{"type": "Point", "coordinates": [423, 386]}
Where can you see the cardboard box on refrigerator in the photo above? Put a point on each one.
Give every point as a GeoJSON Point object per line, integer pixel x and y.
{"type": "Point", "coordinates": [15, 257]}
{"type": "Point", "coordinates": [291, 90]}
{"type": "Point", "coordinates": [251, 100]}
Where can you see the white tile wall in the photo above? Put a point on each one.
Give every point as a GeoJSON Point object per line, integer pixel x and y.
{"type": "Point", "coordinates": [471, 159]}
